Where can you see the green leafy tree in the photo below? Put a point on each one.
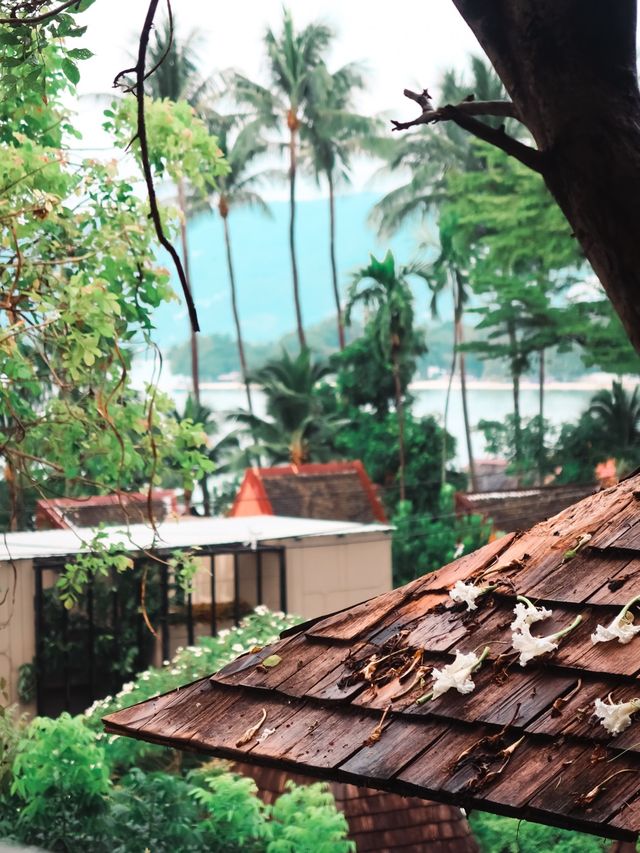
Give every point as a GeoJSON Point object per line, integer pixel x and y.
{"type": "Point", "coordinates": [306, 820]}
{"type": "Point", "coordinates": [293, 57]}
{"type": "Point", "coordinates": [81, 282]}
{"type": "Point", "coordinates": [302, 421]}
{"type": "Point", "coordinates": [384, 288]}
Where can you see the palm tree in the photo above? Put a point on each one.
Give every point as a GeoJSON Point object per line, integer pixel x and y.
{"type": "Point", "coordinates": [238, 189]}
{"type": "Point", "coordinates": [385, 288]}
{"type": "Point", "coordinates": [619, 415]}
{"type": "Point", "coordinates": [301, 422]}
{"type": "Point", "coordinates": [293, 57]}
{"type": "Point", "coordinates": [329, 138]}
{"type": "Point", "coordinates": [449, 269]}
{"type": "Point", "coordinates": [428, 159]}
{"type": "Point", "coordinates": [177, 78]}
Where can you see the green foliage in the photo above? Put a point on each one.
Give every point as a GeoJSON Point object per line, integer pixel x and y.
{"type": "Point", "coordinates": [305, 820]}
{"type": "Point", "coordinates": [536, 458]}
{"type": "Point", "coordinates": [180, 145]}
{"type": "Point", "coordinates": [302, 422]}
{"type": "Point", "coordinates": [423, 543]}
{"type": "Point", "coordinates": [235, 815]}
{"type": "Point", "coordinates": [75, 789]}
{"type": "Point", "coordinates": [61, 780]}
{"type": "Point", "coordinates": [374, 441]}
{"type": "Point", "coordinates": [505, 835]}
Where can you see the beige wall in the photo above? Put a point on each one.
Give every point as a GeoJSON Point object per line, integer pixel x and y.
{"type": "Point", "coordinates": [17, 623]}
{"type": "Point", "coordinates": [325, 574]}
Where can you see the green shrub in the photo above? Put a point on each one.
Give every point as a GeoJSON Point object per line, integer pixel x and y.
{"type": "Point", "coordinates": [497, 834]}
{"type": "Point", "coordinates": [305, 820]}
{"type": "Point", "coordinates": [61, 782]}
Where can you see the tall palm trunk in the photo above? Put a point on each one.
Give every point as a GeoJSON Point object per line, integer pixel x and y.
{"type": "Point", "coordinates": [541, 417]}
{"type": "Point", "coordinates": [465, 406]}
{"type": "Point", "coordinates": [195, 368]}
{"type": "Point", "coordinates": [332, 252]}
{"type": "Point", "coordinates": [293, 128]}
{"type": "Point", "coordinates": [224, 213]}
{"type": "Point", "coordinates": [515, 378]}
{"type": "Point", "coordinates": [400, 415]}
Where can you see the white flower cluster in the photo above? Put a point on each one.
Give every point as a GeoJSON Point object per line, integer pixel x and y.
{"type": "Point", "coordinates": [467, 593]}
{"type": "Point", "coordinates": [456, 675]}
{"type": "Point", "coordinates": [621, 628]}
{"type": "Point", "coordinates": [523, 641]}
{"type": "Point", "coordinates": [616, 716]}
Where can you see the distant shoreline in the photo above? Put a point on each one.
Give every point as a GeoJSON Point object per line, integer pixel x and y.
{"type": "Point", "coordinates": [593, 383]}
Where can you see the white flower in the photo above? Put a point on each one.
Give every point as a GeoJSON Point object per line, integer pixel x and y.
{"type": "Point", "coordinates": [621, 629]}
{"type": "Point", "coordinates": [456, 674]}
{"type": "Point", "coordinates": [527, 613]}
{"type": "Point", "coordinates": [467, 593]}
{"type": "Point", "coordinates": [616, 717]}
{"type": "Point", "coordinates": [264, 734]}
{"type": "Point", "coordinates": [531, 647]}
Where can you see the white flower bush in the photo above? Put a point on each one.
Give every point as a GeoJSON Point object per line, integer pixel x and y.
{"type": "Point", "coordinates": [616, 716]}
{"type": "Point", "coordinates": [621, 628]}
{"type": "Point", "coordinates": [467, 593]}
{"type": "Point", "coordinates": [523, 641]}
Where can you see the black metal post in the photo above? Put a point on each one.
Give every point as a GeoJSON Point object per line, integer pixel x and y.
{"type": "Point", "coordinates": [190, 631]}
{"type": "Point", "coordinates": [259, 576]}
{"type": "Point", "coordinates": [236, 590]}
{"type": "Point", "coordinates": [164, 613]}
{"type": "Point", "coordinates": [65, 659]}
{"type": "Point", "coordinates": [283, 580]}
{"type": "Point", "coordinates": [214, 615]}
{"type": "Point", "coordinates": [91, 640]}
{"type": "Point", "coordinates": [115, 622]}
{"type": "Point", "coordinates": [39, 626]}
{"type": "Point", "coordinates": [139, 620]}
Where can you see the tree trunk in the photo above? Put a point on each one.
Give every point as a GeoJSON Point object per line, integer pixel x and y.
{"type": "Point", "coordinates": [334, 267]}
{"type": "Point", "coordinates": [515, 378]}
{"type": "Point", "coordinates": [541, 417]}
{"type": "Point", "coordinates": [465, 407]}
{"type": "Point", "coordinates": [400, 416]}
{"type": "Point", "coordinates": [206, 497]}
{"type": "Point", "coordinates": [234, 306]}
{"type": "Point", "coordinates": [292, 231]}
{"type": "Point", "coordinates": [570, 69]}
{"type": "Point", "coordinates": [195, 368]}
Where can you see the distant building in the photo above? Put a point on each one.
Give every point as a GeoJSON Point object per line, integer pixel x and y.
{"type": "Point", "coordinates": [331, 490]}
{"type": "Point", "coordinates": [90, 511]}
{"type": "Point", "coordinates": [519, 509]}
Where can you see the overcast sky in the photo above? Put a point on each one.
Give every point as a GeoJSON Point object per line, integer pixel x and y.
{"type": "Point", "coordinates": [402, 43]}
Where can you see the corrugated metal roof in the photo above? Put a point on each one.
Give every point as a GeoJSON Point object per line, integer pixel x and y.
{"type": "Point", "coordinates": [184, 533]}
{"type": "Point", "coordinates": [525, 742]}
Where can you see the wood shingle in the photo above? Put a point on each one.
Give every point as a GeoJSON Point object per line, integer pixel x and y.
{"type": "Point", "coordinates": [524, 743]}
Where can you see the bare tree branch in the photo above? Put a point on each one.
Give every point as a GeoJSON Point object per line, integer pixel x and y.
{"type": "Point", "coordinates": [463, 114]}
{"type": "Point", "coordinates": [146, 164]}
{"type": "Point", "coordinates": [14, 21]}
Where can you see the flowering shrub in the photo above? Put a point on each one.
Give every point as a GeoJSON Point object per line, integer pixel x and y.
{"type": "Point", "coordinates": [73, 788]}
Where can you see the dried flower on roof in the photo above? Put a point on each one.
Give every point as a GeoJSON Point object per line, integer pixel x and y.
{"type": "Point", "coordinates": [621, 628]}
{"type": "Point", "coordinates": [455, 675]}
{"type": "Point", "coordinates": [615, 716]}
{"type": "Point", "coordinates": [467, 593]}
{"type": "Point", "coordinates": [522, 639]}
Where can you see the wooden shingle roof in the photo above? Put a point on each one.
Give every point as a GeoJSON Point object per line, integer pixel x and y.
{"type": "Point", "coordinates": [380, 822]}
{"type": "Point", "coordinates": [524, 743]}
